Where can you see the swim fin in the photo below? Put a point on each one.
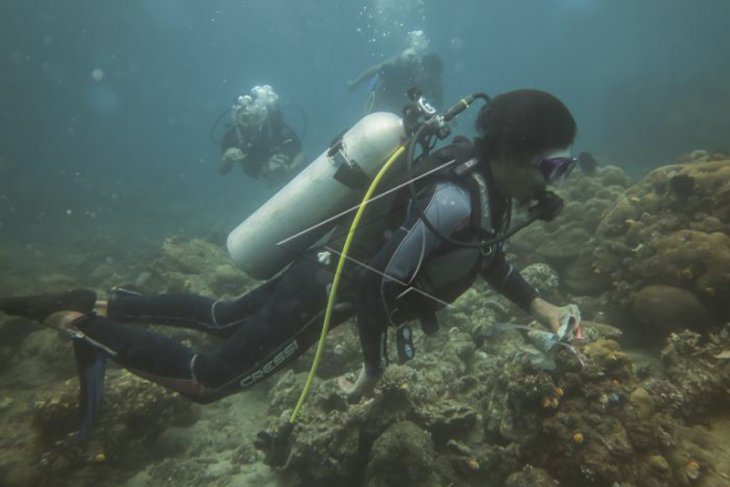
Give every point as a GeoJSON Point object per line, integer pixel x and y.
{"type": "Point", "coordinates": [91, 366]}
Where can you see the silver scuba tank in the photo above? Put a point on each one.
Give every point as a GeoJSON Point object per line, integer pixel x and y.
{"type": "Point", "coordinates": [289, 222]}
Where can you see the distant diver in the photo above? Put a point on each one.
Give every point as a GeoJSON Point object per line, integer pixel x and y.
{"type": "Point", "coordinates": [389, 81]}
{"type": "Point", "coordinates": [260, 140]}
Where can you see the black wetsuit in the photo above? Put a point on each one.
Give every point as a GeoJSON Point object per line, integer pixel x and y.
{"type": "Point", "coordinates": [261, 143]}
{"type": "Point", "coordinates": [267, 328]}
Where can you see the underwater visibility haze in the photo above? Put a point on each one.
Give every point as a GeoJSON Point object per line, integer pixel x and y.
{"type": "Point", "coordinates": [125, 149]}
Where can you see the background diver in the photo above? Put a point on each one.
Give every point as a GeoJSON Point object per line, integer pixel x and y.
{"type": "Point", "coordinates": [522, 148]}
{"type": "Point", "coordinates": [389, 80]}
{"type": "Point", "coordinates": [260, 140]}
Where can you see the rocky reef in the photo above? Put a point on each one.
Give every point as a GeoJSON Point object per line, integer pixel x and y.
{"type": "Point", "coordinates": [665, 247]}
{"type": "Point", "coordinates": [567, 243]}
{"type": "Point", "coordinates": [40, 445]}
{"type": "Point", "coordinates": [461, 414]}
{"type": "Point", "coordinates": [654, 256]}
{"type": "Point", "coordinates": [39, 398]}
{"type": "Point", "coordinates": [479, 405]}
{"type": "Point", "coordinates": [195, 266]}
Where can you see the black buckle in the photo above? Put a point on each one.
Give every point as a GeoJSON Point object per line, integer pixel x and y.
{"type": "Point", "coordinates": [404, 343]}
{"type": "Point", "coordinates": [349, 172]}
{"type": "Point", "coordinates": [275, 445]}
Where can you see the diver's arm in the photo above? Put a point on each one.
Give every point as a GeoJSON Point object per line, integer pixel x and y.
{"type": "Point", "coordinates": [372, 71]}
{"type": "Point", "coordinates": [289, 143]}
{"type": "Point", "coordinates": [230, 153]}
{"type": "Point", "coordinates": [505, 279]}
{"type": "Point", "coordinates": [364, 76]}
{"type": "Point", "coordinates": [230, 139]}
{"type": "Point", "coordinates": [546, 313]}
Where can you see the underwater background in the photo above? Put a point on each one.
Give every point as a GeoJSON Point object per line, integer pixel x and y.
{"type": "Point", "coordinates": [110, 118]}
{"type": "Point", "coordinates": [78, 150]}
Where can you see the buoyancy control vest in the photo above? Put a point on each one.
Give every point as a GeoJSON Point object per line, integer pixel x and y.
{"type": "Point", "coordinates": [453, 269]}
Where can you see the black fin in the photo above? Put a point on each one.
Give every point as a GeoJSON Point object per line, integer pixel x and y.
{"type": "Point", "coordinates": [91, 366]}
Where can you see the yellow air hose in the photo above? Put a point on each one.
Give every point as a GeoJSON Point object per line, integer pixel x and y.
{"type": "Point", "coordinates": [336, 281]}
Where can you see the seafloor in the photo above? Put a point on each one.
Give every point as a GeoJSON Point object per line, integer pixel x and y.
{"type": "Point", "coordinates": [648, 263]}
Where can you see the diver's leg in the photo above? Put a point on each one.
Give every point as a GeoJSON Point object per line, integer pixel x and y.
{"type": "Point", "coordinates": [285, 327]}
{"type": "Point", "coordinates": [220, 317]}
{"type": "Point", "coordinates": [278, 332]}
{"type": "Point", "coordinates": [38, 307]}
{"type": "Point", "coordinates": [150, 355]}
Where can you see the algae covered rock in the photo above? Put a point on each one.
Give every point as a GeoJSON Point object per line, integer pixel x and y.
{"type": "Point", "coordinates": [700, 369]}
{"type": "Point", "coordinates": [403, 455]}
{"type": "Point", "coordinates": [530, 477]}
{"type": "Point", "coordinates": [671, 229]}
{"type": "Point", "coordinates": [567, 243]}
{"type": "Point", "coordinates": [135, 411]}
{"type": "Point", "coordinates": [581, 278]}
{"type": "Point", "coordinates": [543, 277]}
{"type": "Point", "coordinates": [669, 308]}
{"type": "Point", "coordinates": [195, 266]}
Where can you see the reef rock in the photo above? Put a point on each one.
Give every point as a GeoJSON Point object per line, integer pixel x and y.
{"type": "Point", "coordinates": [135, 411]}
{"type": "Point", "coordinates": [195, 266]}
{"type": "Point", "coordinates": [668, 308]}
{"type": "Point", "coordinates": [566, 243]}
{"type": "Point", "coordinates": [491, 418]}
{"type": "Point", "coordinates": [530, 477]}
{"type": "Point", "coordinates": [671, 229]}
{"type": "Point", "coordinates": [542, 277]}
{"type": "Point", "coordinates": [403, 455]}
{"type": "Point", "coordinates": [700, 368]}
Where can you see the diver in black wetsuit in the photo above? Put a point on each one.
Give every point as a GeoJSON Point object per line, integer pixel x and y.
{"type": "Point", "coordinates": [410, 273]}
{"type": "Point", "coordinates": [260, 140]}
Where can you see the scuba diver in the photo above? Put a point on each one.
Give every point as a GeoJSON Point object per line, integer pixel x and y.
{"type": "Point", "coordinates": [416, 263]}
{"type": "Point", "coordinates": [390, 80]}
{"type": "Point", "coordinates": [260, 140]}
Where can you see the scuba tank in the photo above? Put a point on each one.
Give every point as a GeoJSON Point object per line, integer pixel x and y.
{"type": "Point", "coordinates": [291, 220]}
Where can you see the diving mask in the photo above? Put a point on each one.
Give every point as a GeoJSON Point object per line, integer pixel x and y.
{"type": "Point", "coordinates": [556, 167]}
{"type": "Point", "coordinates": [249, 112]}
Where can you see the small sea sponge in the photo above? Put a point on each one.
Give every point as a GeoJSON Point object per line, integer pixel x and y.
{"type": "Point", "coordinates": [692, 470]}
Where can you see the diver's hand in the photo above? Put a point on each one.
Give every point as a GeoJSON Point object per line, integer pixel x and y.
{"type": "Point", "coordinates": [276, 168]}
{"type": "Point", "coordinates": [546, 313]}
{"type": "Point", "coordinates": [230, 157]}
{"type": "Point", "coordinates": [233, 154]}
{"type": "Point", "coordinates": [563, 321]}
{"type": "Point", "coordinates": [363, 386]}
{"type": "Point", "coordinates": [278, 161]}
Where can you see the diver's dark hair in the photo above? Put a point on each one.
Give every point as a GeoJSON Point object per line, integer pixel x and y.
{"type": "Point", "coordinates": [523, 123]}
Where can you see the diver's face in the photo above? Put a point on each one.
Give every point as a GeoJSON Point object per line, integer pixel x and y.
{"type": "Point", "coordinates": [248, 118]}
{"type": "Point", "coordinates": [518, 179]}
{"type": "Point", "coordinates": [409, 57]}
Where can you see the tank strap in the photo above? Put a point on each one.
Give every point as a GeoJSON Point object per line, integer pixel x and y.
{"type": "Point", "coordinates": [481, 210]}
{"type": "Point", "coordinates": [348, 171]}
